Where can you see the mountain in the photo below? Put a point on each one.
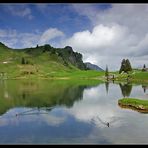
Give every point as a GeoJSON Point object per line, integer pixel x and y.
{"type": "Point", "coordinates": [42, 61]}
{"type": "Point", "coordinates": [65, 55]}
{"type": "Point", "coordinates": [93, 66]}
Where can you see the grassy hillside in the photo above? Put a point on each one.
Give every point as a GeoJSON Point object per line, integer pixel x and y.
{"type": "Point", "coordinates": [46, 62]}
{"type": "Point", "coordinates": [43, 62]}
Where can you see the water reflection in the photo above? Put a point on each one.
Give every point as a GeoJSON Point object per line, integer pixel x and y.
{"type": "Point", "coordinates": [145, 87]}
{"type": "Point", "coordinates": [125, 89]}
{"type": "Point", "coordinates": [107, 86]}
{"type": "Point", "coordinates": [38, 94]}
{"type": "Point", "coordinates": [65, 112]}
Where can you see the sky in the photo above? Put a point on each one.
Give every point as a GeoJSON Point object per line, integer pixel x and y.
{"type": "Point", "coordinates": [103, 33]}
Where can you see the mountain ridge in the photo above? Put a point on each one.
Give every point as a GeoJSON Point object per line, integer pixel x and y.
{"type": "Point", "coordinates": [65, 55]}
{"type": "Point", "coordinates": [42, 62]}
{"type": "Point", "coordinates": [91, 66]}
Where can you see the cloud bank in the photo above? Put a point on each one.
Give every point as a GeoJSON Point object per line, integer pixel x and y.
{"type": "Point", "coordinates": [119, 32]}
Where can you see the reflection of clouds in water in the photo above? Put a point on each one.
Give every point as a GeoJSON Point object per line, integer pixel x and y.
{"type": "Point", "coordinates": [18, 115]}
{"type": "Point", "coordinates": [3, 122]}
{"type": "Point", "coordinates": [90, 93]}
{"type": "Point", "coordinates": [96, 108]}
{"type": "Point", "coordinates": [137, 91]}
{"type": "Point", "coordinates": [10, 118]}
{"type": "Point", "coordinates": [53, 120]}
{"type": "Point", "coordinates": [112, 122]}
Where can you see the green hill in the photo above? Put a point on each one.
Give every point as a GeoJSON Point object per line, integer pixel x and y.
{"type": "Point", "coordinates": [41, 62]}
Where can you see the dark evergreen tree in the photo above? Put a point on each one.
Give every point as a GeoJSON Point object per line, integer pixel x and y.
{"type": "Point", "coordinates": [128, 66]}
{"type": "Point", "coordinates": [23, 60]}
{"type": "Point", "coordinates": [122, 66]}
{"type": "Point", "coordinates": [144, 68]}
{"type": "Point", "coordinates": [106, 72]}
{"type": "Point", "coordinates": [125, 66]}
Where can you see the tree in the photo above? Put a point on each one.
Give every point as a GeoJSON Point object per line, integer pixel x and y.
{"type": "Point", "coordinates": [144, 68]}
{"type": "Point", "coordinates": [106, 72]}
{"type": "Point", "coordinates": [122, 66]}
{"type": "Point", "coordinates": [125, 66]}
{"type": "Point", "coordinates": [23, 60]}
{"type": "Point", "coordinates": [128, 66]}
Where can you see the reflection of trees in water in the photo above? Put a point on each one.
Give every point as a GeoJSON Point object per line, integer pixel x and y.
{"type": "Point", "coordinates": [145, 87]}
{"type": "Point", "coordinates": [70, 95]}
{"type": "Point", "coordinates": [43, 95]}
{"type": "Point", "coordinates": [107, 86]}
{"type": "Point", "coordinates": [67, 96]}
{"type": "Point", "coordinates": [125, 89]}
{"type": "Point", "coordinates": [4, 89]}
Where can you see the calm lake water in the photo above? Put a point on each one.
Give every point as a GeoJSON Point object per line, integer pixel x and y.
{"type": "Point", "coordinates": [56, 112]}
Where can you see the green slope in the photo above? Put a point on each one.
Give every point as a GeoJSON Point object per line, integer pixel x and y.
{"type": "Point", "coordinates": [42, 62]}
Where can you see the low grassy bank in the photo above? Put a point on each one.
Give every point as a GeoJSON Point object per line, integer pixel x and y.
{"type": "Point", "coordinates": [135, 104]}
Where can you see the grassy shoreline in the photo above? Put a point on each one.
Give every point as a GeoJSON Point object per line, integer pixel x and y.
{"type": "Point", "coordinates": [45, 72]}
{"type": "Point", "coordinates": [134, 103]}
{"type": "Point", "coordinates": [136, 76]}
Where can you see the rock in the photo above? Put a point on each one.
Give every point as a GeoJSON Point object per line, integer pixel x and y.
{"type": "Point", "coordinates": [141, 106]}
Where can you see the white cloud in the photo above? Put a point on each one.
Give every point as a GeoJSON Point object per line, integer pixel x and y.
{"type": "Point", "coordinates": [49, 34]}
{"type": "Point", "coordinates": [15, 39]}
{"type": "Point", "coordinates": [102, 43]}
{"type": "Point", "coordinates": [119, 32]}
{"type": "Point", "coordinates": [101, 37]}
{"type": "Point", "coordinates": [19, 10]}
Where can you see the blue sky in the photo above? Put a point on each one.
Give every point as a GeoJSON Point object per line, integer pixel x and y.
{"type": "Point", "coordinates": [43, 16]}
{"type": "Point", "coordinates": [103, 33]}
{"type": "Point", "coordinates": [33, 18]}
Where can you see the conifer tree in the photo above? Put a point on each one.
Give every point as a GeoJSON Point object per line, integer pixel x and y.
{"type": "Point", "coordinates": [23, 60]}
{"type": "Point", "coordinates": [106, 72]}
{"type": "Point", "coordinates": [122, 66]}
{"type": "Point", "coordinates": [125, 66]}
{"type": "Point", "coordinates": [144, 68]}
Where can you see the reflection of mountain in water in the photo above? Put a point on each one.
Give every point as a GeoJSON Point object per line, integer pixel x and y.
{"type": "Point", "coordinates": [126, 89]}
{"type": "Point", "coordinates": [38, 94]}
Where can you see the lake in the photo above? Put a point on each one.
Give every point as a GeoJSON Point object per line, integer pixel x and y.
{"type": "Point", "coordinates": [63, 112]}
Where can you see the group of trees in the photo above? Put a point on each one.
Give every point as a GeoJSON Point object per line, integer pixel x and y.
{"type": "Point", "coordinates": [125, 66]}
